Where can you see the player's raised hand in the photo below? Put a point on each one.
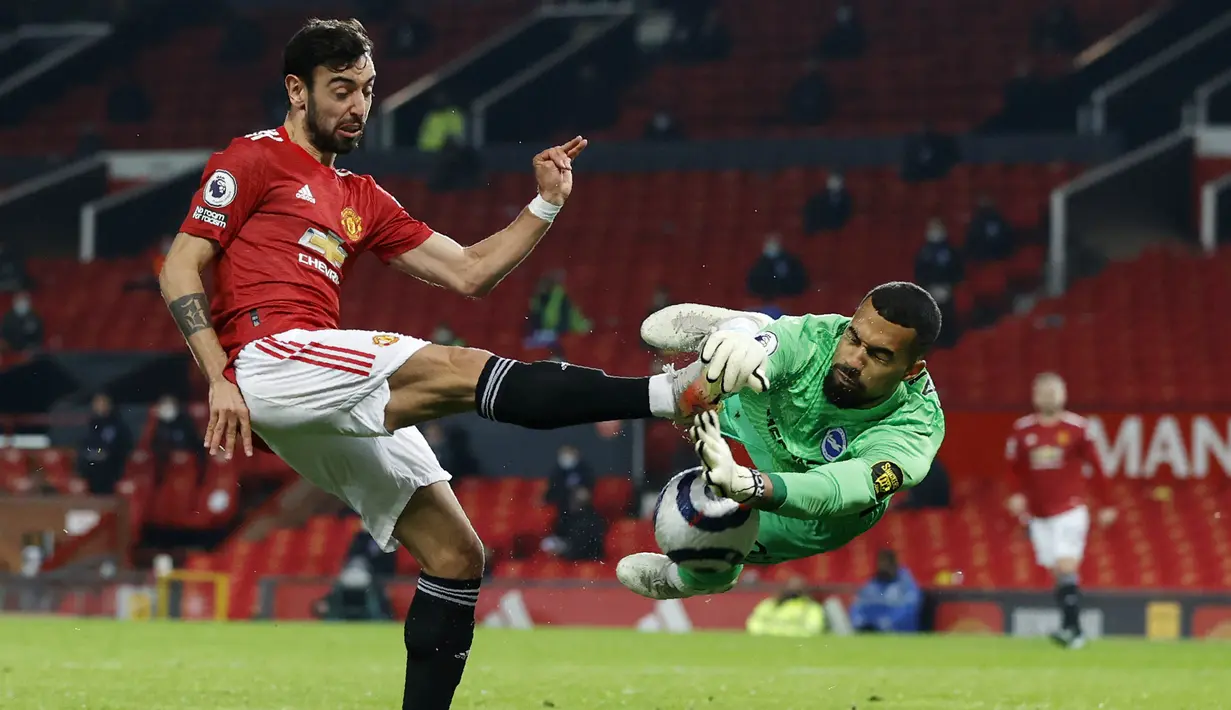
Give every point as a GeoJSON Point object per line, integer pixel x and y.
{"type": "Point", "coordinates": [228, 419]}
{"type": "Point", "coordinates": [553, 170]}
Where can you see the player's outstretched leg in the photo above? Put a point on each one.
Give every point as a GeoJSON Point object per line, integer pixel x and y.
{"type": "Point", "coordinates": [440, 624]}
{"type": "Point", "coordinates": [654, 575]}
{"type": "Point", "coordinates": [438, 381]}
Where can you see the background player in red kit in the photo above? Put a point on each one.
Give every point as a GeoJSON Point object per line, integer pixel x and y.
{"type": "Point", "coordinates": [282, 228]}
{"type": "Point", "coordinates": [1050, 453]}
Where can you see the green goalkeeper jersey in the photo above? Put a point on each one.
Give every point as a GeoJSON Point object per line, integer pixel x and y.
{"type": "Point", "coordinates": [834, 469]}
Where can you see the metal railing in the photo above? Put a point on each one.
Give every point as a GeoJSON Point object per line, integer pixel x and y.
{"type": "Point", "coordinates": [1057, 270]}
{"type": "Point", "coordinates": [429, 81]}
{"type": "Point", "coordinates": [1210, 193]}
{"type": "Point", "coordinates": [84, 34]}
{"type": "Point", "coordinates": [1206, 93]}
{"type": "Point", "coordinates": [1103, 94]}
{"type": "Point", "coordinates": [481, 105]}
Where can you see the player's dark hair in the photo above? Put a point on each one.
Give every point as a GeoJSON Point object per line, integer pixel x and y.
{"type": "Point", "coordinates": [909, 306]}
{"type": "Point", "coordinates": [333, 44]}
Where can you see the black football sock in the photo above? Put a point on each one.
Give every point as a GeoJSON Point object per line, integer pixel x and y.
{"type": "Point", "coordinates": [439, 630]}
{"type": "Point", "coordinates": [549, 395]}
{"type": "Point", "coordinates": [1068, 596]}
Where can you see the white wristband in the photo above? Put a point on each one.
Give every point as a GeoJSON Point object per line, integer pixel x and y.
{"type": "Point", "coordinates": [543, 209]}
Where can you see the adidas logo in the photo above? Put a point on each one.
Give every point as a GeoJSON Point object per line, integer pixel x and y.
{"type": "Point", "coordinates": [305, 194]}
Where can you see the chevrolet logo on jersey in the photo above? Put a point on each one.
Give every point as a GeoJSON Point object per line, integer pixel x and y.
{"type": "Point", "coordinates": [326, 244]}
{"type": "Point", "coordinates": [886, 478]}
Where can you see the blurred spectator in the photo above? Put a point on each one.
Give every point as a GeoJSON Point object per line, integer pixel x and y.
{"type": "Point", "coordinates": [104, 450]}
{"type": "Point", "coordinates": [828, 209]}
{"type": "Point", "coordinates": [452, 448]}
{"type": "Point", "coordinates": [937, 262]}
{"type": "Point", "coordinates": [988, 235]}
{"type": "Point", "coordinates": [890, 602]}
{"type": "Point", "coordinates": [408, 37]}
{"type": "Point", "coordinates": [444, 335]}
{"type": "Point", "coordinates": [456, 167]}
{"type": "Point", "coordinates": [950, 327]}
{"type": "Point", "coordinates": [580, 530]}
{"type": "Point", "coordinates": [242, 42]}
{"type": "Point", "coordinates": [663, 127]}
{"type": "Point", "coordinates": [700, 37]}
{"type": "Point", "coordinates": [594, 102]}
{"type": "Point", "coordinates": [552, 312]}
{"type": "Point", "coordinates": [127, 101]}
{"type": "Point", "coordinates": [174, 430]}
{"type": "Point", "coordinates": [846, 39]}
{"type": "Point", "coordinates": [1025, 97]}
{"type": "Point", "coordinates": [792, 613]}
{"type": "Point", "coordinates": [928, 155]}
{"type": "Point", "coordinates": [22, 327]}
{"type": "Point", "coordinates": [443, 121]}
{"type": "Point", "coordinates": [810, 101]}
{"type": "Point", "coordinates": [13, 275]}
{"type": "Point", "coordinates": [1056, 30]}
{"type": "Point", "coordinates": [777, 272]}
{"type": "Point", "coordinates": [570, 474]}
{"type": "Point", "coordinates": [359, 593]}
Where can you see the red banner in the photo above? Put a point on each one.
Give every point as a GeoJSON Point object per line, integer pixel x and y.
{"type": "Point", "coordinates": [1137, 446]}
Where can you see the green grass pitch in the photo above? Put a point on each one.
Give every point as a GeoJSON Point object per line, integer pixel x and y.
{"type": "Point", "coordinates": [56, 664]}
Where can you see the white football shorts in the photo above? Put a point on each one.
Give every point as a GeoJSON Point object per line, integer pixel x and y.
{"type": "Point", "coordinates": [1060, 536]}
{"type": "Point", "coordinates": [318, 397]}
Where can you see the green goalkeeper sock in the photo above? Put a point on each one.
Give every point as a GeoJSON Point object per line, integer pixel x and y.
{"type": "Point", "coordinates": [708, 582]}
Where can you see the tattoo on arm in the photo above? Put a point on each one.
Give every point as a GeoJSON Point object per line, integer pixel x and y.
{"type": "Point", "coordinates": [191, 313]}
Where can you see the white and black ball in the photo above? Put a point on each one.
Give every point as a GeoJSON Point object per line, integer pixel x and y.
{"type": "Point", "coordinates": [699, 530]}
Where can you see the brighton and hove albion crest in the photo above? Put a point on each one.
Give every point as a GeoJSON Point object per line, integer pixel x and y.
{"type": "Point", "coordinates": [352, 224]}
{"type": "Point", "coordinates": [833, 444]}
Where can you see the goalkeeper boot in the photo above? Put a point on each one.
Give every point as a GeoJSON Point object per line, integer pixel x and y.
{"type": "Point", "coordinates": [655, 576]}
{"type": "Point", "coordinates": [682, 327]}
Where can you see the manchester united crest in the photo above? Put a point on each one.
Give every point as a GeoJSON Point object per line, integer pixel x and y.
{"type": "Point", "coordinates": [352, 224]}
{"type": "Point", "coordinates": [384, 340]}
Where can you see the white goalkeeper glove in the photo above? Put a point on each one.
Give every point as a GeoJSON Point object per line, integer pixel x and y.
{"type": "Point", "coordinates": [736, 359]}
{"type": "Point", "coordinates": [725, 477]}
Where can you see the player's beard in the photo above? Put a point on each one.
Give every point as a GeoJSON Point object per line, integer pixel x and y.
{"type": "Point", "coordinates": [326, 138]}
{"type": "Point", "coordinates": [841, 393]}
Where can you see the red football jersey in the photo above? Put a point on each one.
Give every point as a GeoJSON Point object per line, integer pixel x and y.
{"type": "Point", "coordinates": [1050, 462]}
{"type": "Point", "coordinates": [289, 229]}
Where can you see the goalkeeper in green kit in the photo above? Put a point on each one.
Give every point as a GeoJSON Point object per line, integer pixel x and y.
{"type": "Point", "coordinates": [837, 413]}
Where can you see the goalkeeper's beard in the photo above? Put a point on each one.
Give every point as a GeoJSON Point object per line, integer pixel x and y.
{"type": "Point", "coordinates": [842, 394]}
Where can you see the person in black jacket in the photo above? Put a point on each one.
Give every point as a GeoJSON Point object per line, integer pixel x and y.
{"type": "Point", "coordinates": [104, 450]}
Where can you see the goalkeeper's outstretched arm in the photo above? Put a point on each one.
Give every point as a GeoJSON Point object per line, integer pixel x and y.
{"type": "Point", "coordinates": [890, 460]}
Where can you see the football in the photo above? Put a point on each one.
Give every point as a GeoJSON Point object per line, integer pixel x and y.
{"type": "Point", "coordinates": [699, 530]}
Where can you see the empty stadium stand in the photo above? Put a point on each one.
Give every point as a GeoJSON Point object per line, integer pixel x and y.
{"type": "Point", "coordinates": [945, 62]}
{"type": "Point", "coordinates": [198, 102]}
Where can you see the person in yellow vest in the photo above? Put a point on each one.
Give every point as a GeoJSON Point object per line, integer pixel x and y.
{"type": "Point", "coordinates": [445, 120]}
{"type": "Point", "coordinates": [792, 613]}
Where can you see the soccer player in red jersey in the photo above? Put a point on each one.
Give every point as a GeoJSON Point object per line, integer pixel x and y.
{"type": "Point", "coordinates": [282, 227]}
{"type": "Point", "coordinates": [1049, 453]}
